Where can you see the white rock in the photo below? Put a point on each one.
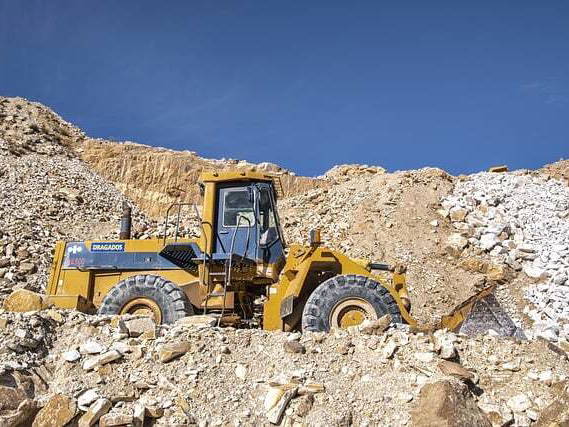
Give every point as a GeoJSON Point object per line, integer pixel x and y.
{"type": "Point", "coordinates": [533, 271]}
{"type": "Point", "coordinates": [425, 356]}
{"type": "Point", "coordinates": [241, 371]}
{"type": "Point", "coordinates": [488, 241]}
{"type": "Point", "coordinates": [389, 349]}
{"type": "Point", "coordinates": [519, 403]}
{"type": "Point", "coordinates": [71, 355]}
{"type": "Point", "coordinates": [546, 376]}
{"type": "Point", "coordinates": [294, 336]}
{"type": "Point", "coordinates": [91, 347]}
{"type": "Point", "coordinates": [457, 241]}
{"type": "Point", "coordinates": [86, 398]}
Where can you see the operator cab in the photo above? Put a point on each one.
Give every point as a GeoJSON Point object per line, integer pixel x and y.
{"type": "Point", "coordinates": [240, 223]}
{"type": "Point", "coordinates": [247, 222]}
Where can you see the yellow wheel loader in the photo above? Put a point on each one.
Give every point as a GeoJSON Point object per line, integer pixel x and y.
{"type": "Point", "coordinates": [239, 270]}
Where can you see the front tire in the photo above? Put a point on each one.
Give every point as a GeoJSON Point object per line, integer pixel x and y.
{"type": "Point", "coordinates": [146, 293]}
{"type": "Point", "coordinates": [347, 300]}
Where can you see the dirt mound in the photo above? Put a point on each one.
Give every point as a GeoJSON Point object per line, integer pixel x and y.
{"type": "Point", "coordinates": [30, 127]}
{"type": "Point", "coordinates": [390, 217]}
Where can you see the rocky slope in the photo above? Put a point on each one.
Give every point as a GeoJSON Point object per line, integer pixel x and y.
{"type": "Point", "coordinates": [455, 234]}
{"type": "Point", "coordinates": [153, 178]}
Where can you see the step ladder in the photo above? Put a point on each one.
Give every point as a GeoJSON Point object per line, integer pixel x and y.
{"type": "Point", "coordinates": [228, 264]}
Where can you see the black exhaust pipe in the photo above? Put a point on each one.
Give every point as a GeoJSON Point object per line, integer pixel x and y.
{"type": "Point", "coordinates": [126, 222]}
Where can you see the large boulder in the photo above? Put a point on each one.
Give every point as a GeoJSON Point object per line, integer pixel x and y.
{"type": "Point", "coordinates": [447, 404]}
{"type": "Point", "coordinates": [17, 406]}
{"type": "Point", "coordinates": [58, 411]}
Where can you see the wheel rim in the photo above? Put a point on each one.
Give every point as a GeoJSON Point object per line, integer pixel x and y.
{"type": "Point", "coordinates": [144, 307]}
{"type": "Point", "coordinates": [351, 312]}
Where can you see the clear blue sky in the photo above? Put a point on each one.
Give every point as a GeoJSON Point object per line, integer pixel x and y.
{"type": "Point", "coordinates": [458, 85]}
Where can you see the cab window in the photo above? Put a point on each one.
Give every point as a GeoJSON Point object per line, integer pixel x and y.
{"type": "Point", "coordinates": [237, 203]}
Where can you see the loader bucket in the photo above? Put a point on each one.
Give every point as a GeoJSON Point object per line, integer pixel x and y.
{"type": "Point", "coordinates": [479, 314]}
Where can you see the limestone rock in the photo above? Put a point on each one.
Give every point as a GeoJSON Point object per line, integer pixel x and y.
{"type": "Point", "coordinates": [171, 351]}
{"type": "Point", "coordinates": [139, 326]}
{"type": "Point", "coordinates": [457, 242]}
{"type": "Point", "coordinates": [241, 371]}
{"type": "Point", "coordinates": [275, 414]}
{"type": "Point", "coordinates": [100, 360]}
{"type": "Point", "coordinates": [99, 408]}
{"type": "Point", "coordinates": [85, 399]}
{"type": "Point", "coordinates": [447, 404]}
{"type": "Point", "coordinates": [378, 326]}
{"type": "Point", "coordinates": [197, 320]}
{"type": "Point", "coordinates": [58, 411]}
{"type": "Point", "coordinates": [519, 403]}
{"type": "Point", "coordinates": [91, 347]}
{"type": "Point", "coordinates": [24, 300]}
{"type": "Point", "coordinates": [115, 419]}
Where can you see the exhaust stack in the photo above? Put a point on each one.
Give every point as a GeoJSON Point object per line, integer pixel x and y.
{"type": "Point", "coordinates": [126, 222]}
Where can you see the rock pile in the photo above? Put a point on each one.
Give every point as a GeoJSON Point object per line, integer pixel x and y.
{"type": "Point", "coordinates": [521, 221]}
{"type": "Point", "coordinates": [125, 370]}
{"type": "Point", "coordinates": [46, 194]}
{"type": "Point", "coordinates": [388, 217]}
{"type": "Point", "coordinates": [29, 127]}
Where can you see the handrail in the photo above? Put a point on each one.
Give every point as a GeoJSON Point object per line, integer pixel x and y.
{"type": "Point", "coordinates": [230, 263]}
{"type": "Point", "coordinates": [179, 205]}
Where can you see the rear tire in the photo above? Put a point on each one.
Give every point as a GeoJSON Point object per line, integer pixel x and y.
{"type": "Point", "coordinates": [342, 298]}
{"type": "Point", "coordinates": [154, 291]}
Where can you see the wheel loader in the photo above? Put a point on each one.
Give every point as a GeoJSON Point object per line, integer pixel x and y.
{"type": "Point", "coordinates": [240, 270]}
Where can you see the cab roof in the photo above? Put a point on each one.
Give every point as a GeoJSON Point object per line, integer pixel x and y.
{"type": "Point", "coordinates": [244, 175]}
{"type": "Point", "coordinates": [235, 175]}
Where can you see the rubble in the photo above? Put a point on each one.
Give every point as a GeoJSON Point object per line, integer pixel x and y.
{"type": "Point", "coordinates": [520, 221]}
{"type": "Point", "coordinates": [226, 375]}
{"type": "Point", "coordinates": [47, 194]}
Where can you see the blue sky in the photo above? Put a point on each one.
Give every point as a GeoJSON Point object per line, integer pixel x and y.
{"type": "Point", "coordinates": [458, 85]}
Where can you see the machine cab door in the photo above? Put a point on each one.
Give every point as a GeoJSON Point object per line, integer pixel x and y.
{"type": "Point", "coordinates": [236, 220]}
{"type": "Point", "coordinates": [271, 245]}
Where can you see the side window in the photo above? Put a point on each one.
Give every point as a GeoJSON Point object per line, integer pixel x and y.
{"type": "Point", "coordinates": [237, 203]}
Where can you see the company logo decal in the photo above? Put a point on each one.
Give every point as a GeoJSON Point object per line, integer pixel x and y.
{"type": "Point", "coordinates": [107, 247]}
{"type": "Point", "coordinates": [74, 249]}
